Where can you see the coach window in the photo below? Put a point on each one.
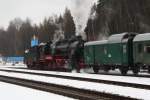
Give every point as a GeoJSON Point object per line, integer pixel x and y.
{"type": "Point", "coordinates": [139, 48]}
{"type": "Point", "coordinates": [124, 49]}
{"type": "Point", "coordinates": [105, 50]}
{"type": "Point", "coordinates": [147, 49]}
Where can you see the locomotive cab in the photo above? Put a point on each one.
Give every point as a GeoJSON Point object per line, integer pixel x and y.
{"type": "Point", "coordinates": [76, 53]}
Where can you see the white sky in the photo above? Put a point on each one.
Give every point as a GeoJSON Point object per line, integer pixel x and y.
{"type": "Point", "coordinates": [36, 10]}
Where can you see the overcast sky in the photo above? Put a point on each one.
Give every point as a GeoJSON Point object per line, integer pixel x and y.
{"type": "Point", "coordinates": [36, 10]}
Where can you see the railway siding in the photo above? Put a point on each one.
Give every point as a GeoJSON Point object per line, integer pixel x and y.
{"type": "Point", "coordinates": [84, 85]}
{"type": "Point", "coordinates": [63, 90]}
{"type": "Point", "coordinates": [118, 83]}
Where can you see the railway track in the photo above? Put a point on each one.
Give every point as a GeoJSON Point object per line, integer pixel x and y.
{"type": "Point", "coordinates": [118, 83]}
{"type": "Point", "coordinates": [130, 75]}
{"type": "Point", "coordinates": [103, 73]}
{"type": "Point", "coordinates": [68, 91]}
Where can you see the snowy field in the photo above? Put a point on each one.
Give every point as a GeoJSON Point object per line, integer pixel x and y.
{"type": "Point", "coordinates": [20, 64]}
{"type": "Point", "coordinates": [14, 92]}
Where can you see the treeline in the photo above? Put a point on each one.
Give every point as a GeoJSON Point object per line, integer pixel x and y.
{"type": "Point", "coordinates": [116, 16]}
{"type": "Point", "coordinates": [107, 17]}
{"type": "Point", "coordinates": [17, 37]}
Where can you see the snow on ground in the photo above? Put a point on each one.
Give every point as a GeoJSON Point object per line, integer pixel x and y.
{"type": "Point", "coordinates": [127, 79]}
{"type": "Point", "coordinates": [14, 92]}
{"type": "Point", "coordinates": [20, 64]}
{"type": "Point", "coordinates": [113, 89]}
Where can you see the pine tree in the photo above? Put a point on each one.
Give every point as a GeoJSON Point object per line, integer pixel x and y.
{"type": "Point", "coordinates": [69, 25]}
{"type": "Point", "coordinates": [47, 30]}
{"type": "Point", "coordinates": [117, 16]}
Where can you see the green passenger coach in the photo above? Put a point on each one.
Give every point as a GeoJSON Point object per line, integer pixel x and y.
{"type": "Point", "coordinates": [116, 52]}
{"type": "Point", "coordinates": [95, 54]}
{"type": "Point", "coordinates": [120, 52]}
{"type": "Point", "coordinates": [141, 50]}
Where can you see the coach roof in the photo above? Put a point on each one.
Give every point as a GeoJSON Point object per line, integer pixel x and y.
{"type": "Point", "coordinates": [95, 42]}
{"type": "Point", "coordinates": [142, 37]}
{"type": "Point", "coordinates": [116, 38]}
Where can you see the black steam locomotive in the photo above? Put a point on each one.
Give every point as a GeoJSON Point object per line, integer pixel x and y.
{"type": "Point", "coordinates": [63, 55]}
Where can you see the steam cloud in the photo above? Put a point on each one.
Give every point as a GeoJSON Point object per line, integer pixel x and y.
{"type": "Point", "coordinates": [81, 11]}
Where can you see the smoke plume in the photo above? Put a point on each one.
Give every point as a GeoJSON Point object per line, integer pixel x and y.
{"type": "Point", "coordinates": [81, 12]}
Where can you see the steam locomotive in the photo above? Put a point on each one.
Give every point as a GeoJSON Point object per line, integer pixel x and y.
{"type": "Point", "coordinates": [125, 51]}
{"type": "Point", "coordinates": [63, 55]}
